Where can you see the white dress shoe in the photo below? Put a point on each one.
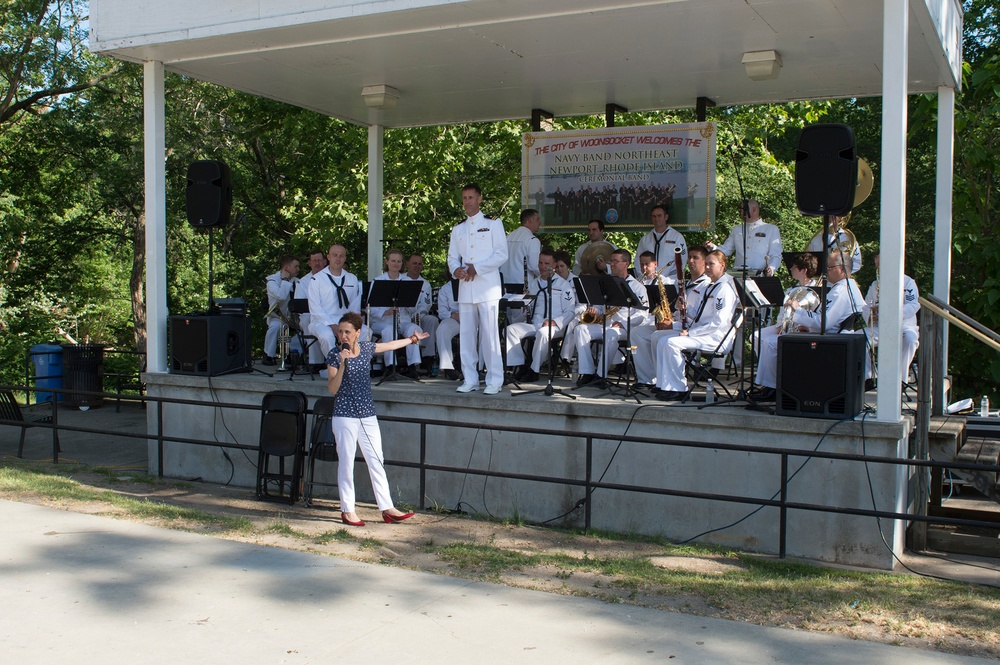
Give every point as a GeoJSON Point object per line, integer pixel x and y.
{"type": "Point", "coordinates": [466, 388]}
{"type": "Point", "coordinates": [492, 390]}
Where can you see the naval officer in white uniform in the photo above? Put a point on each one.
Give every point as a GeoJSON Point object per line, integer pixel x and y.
{"type": "Point", "coordinates": [477, 249]}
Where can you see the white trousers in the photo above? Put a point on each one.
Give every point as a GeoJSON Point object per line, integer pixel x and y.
{"type": "Point", "coordinates": [670, 359]}
{"type": "Point", "coordinates": [908, 349]}
{"type": "Point", "coordinates": [327, 339]}
{"type": "Point", "coordinates": [383, 327]}
{"type": "Point", "coordinates": [429, 324]}
{"type": "Point", "coordinates": [350, 433]}
{"type": "Point", "coordinates": [767, 363]}
{"type": "Point", "coordinates": [584, 333]}
{"type": "Point", "coordinates": [316, 356]}
{"type": "Point", "coordinates": [645, 353]}
{"type": "Point", "coordinates": [518, 331]}
{"type": "Point", "coordinates": [479, 326]}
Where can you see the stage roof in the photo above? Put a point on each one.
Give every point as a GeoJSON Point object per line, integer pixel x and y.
{"type": "Point", "coordinates": [482, 60]}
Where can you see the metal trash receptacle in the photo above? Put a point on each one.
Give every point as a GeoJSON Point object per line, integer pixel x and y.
{"type": "Point", "coordinates": [83, 369]}
{"type": "Point", "coordinates": [48, 361]}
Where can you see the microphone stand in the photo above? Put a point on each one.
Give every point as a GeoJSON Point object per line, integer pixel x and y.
{"type": "Point", "coordinates": [549, 389]}
{"type": "Point", "coordinates": [741, 391]}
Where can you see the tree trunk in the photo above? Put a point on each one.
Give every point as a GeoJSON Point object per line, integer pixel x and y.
{"type": "Point", "coordinates": [137, 282]}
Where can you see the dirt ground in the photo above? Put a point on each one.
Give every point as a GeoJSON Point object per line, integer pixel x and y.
{"type": "Point", "coordinates": [415, 545]}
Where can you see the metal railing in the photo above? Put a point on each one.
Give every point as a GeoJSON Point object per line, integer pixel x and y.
{"type": "Point", "coordinates": [587, 482]}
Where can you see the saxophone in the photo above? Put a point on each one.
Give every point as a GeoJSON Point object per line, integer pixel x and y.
{"type": "Point", "coordinates": [662, 311]}
{"type": "Point", "coordinates": [586, 317]}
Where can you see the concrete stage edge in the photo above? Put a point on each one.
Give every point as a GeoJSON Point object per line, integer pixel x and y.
{"type": "Point", "coordinates": [838, 538]}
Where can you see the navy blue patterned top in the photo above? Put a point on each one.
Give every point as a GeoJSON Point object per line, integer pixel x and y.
{"type": "Point", "coordinates": [354, 399]}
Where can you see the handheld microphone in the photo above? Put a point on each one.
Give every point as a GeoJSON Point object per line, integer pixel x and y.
{"type": "Point", "coordinates": [345, 347]}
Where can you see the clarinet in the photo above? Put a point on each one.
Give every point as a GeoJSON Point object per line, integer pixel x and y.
{"type": "Point", "coordinates": [524, 290]}
{"type": "Point", "coordinates": [682, 301]}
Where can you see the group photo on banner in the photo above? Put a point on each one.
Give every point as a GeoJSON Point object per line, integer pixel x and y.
{"type": "Point", "coordinates": [617, 174]}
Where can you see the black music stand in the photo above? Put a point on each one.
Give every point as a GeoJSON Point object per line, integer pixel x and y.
{"type": "Point", "coordinates": [395, 294]}
{"type": "Point", "coordinates": [607, 291]}
{"type": "Point", "coordinates": [521, 301]}
{"type": "Point", "coordinates": [300, 306]}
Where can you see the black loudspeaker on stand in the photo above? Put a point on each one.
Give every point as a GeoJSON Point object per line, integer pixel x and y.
{"type": "Point", "coordinates": [209, 194]}
{"type": "Point", "coordinates": [826, 170]}
{"type": "Point", "coordinates": [208, 345]}
{"type": "Point", "coordinates": [820, 376]}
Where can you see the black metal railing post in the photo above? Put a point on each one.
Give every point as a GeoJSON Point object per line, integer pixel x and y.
{"type": "Point", "coordinates": [783, 510]}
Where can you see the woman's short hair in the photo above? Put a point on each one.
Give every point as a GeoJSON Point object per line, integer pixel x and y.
{"type": "Point", "coordinates": [353, 318]}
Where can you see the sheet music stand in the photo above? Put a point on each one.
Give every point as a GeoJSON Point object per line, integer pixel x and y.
{"type": "Point", "coordinates": [395, 294]}
{"type": "Point", "coordinates": [300, 306]}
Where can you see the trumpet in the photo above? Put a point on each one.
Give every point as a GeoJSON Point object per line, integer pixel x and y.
{"type": "Point", "coordinates": [284, 343]}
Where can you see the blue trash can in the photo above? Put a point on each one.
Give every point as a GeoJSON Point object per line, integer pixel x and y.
{"type": "Point", "coordinates": [48, 362]}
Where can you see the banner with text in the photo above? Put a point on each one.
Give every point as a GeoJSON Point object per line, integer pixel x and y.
{"type": "Point", "coordinates": [617, 174]}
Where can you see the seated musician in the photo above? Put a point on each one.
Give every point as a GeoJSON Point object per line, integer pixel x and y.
{"type": "Point", "coordinates": [843, 302]}
{"type": "Point", "coordinates": [615, 326]}
{"type": "Point", "coordinates": [382, 318]}
{"type": "Point", "coordinates": [334, 292]}
{"type": "Point", "coordinates": [803, 269]}
{"type": "Point", "coordinates": [422, 312]}
{"type": "Point", "coordinates": [710, 324]}
{"type": "Point", "coordinates": [546, 319]}
{"type": "Point", "coordinates": [280, 290]}
{"type": "Point", "coordinates": [645, 338]}
{"type": "Point", "coordinates": [911, 332]}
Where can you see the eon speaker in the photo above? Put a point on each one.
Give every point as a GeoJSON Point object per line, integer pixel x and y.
{"type": "Point", "coordinates": [821, 376]}
{"type": "Point", "coordinates": [208, 345]}
{"type": "Point", "coordinates": [209, 194]}
{"type": "Point", "coordinates": [826, 170]}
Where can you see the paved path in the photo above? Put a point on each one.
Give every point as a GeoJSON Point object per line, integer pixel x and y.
{"type": "Point", "coordinates": [81, 589]}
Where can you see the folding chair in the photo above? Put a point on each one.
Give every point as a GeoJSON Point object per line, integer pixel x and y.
{"type": "Point", "coordinates": [322, 446]}
{"type": "Point", "coordinates": [699, 362]}
{"type": "Point", "coordinates": [11, 411]}
{"type": "Point", "coordinates": [282, 434]}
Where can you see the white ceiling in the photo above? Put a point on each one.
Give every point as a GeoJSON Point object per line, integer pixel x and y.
{"type": "Point", "coordinates": [498, 59]}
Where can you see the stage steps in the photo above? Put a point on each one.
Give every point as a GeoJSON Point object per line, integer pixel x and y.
{"type": "Point", "coordinates": [972, 440]}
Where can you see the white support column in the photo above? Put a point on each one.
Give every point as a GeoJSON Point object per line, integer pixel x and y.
{"type": "Point", "coordinates": [893, 233]}
{"type": "Point", "coordinates": [376, 138]}
{"type": "Point", "coordinates": [154, 146]}
{"type": "Point", "coordinates": [943, 202]}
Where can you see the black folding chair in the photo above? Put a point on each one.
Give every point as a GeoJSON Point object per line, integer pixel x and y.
{"type": "Point", "coordinates": [282, 434]}
{"type": "Point", "coordinates": [322, 446]}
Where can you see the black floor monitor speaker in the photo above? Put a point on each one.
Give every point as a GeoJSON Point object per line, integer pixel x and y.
{"type": "Point", "coordinates": [821, 376]}
{"type": "Point", "coordinates": [208, 345]}
{"type": "Point", "coordinates": [209, 194]}
{"type": "Point", "coordinates": [826, 170]}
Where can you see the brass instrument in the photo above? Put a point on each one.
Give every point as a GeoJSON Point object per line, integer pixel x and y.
{"type": "Point", "coordinates": [662, 312]}
{"type": "Point", "coordinates": [873, 309]}
{"type": "Point", "coordinates": [597, 252]}
{"type": "Point", "coordinates": [586, 317]}
{"type": "Point", "coordinates": [682, 298]}
{"type": "Point", "coordinates": [805, 297]}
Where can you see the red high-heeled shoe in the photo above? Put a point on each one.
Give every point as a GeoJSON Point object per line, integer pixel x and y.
{"type": "Point", "coordinates": [394, 519]}
{"type": "Point", "coordinates": [343, 518]}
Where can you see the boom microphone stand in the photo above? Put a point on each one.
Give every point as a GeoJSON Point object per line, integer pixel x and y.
{"type": "Point", "coordinates": [741, 391]}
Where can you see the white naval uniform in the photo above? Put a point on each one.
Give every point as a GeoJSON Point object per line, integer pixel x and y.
{"type": "Point", "coordinates": [563, 305]}
{"type": "Point", "coordinates": [646, 337]}
{"type": "Point", "coordinates": [584, 333]}
{"type": "Point", "coordinates": [911, 332]}
{"type": "Point", "coordinates": [816, 245]}
{"type": "Point", "coordinates": [843, 299]}
{"type": "Point", "coordinates": [763, 246]}
{"type": "Point", "coordinates": [712, 325]}
{"type": "Point", "coordinates": [423, 318]}
{"type": "Point", "coordinates": [328, 303]}
{"type": "Point", "coordinates": [381, 324]}
{"type": "Point", "coordinates": [522, 245]}
{"type": "Point", "coordinates": [302, 293]}
{"type": "Point", "coordinates": [481, 242]}
{"type": "Point", "coordinates": [662, 246]}
{"type": "Point", "coordinates": [279, 292]}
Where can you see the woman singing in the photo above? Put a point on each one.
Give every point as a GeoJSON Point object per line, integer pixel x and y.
{"type": "Point", "coordinates": [354, 421]}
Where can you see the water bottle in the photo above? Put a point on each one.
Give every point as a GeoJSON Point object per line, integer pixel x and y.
{"type": "Point", "coordinates": [710, 392]}
{"type": "Point", "coordinates": [984, 407]}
